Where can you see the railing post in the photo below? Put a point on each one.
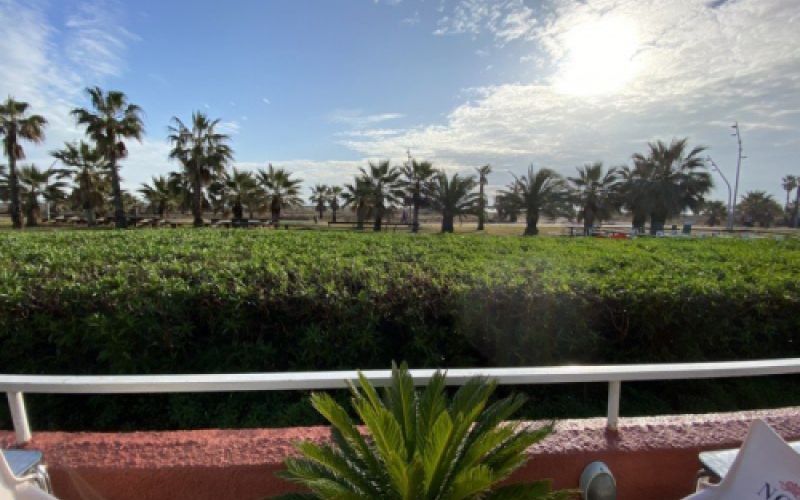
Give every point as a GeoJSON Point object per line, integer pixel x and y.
{"type": "Point", "coordinates": [614, 387]}
{"type": "Point", "coordinates": [22, 430]}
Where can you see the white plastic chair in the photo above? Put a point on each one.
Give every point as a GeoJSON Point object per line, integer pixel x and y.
{"type": "Point", "coordinates": [19, 488]}
{"type": "Point", "coordinates": [765, 468]}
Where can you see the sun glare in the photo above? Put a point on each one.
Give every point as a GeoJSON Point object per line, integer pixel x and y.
{"type": "Point", "coordinates": [599, 57]}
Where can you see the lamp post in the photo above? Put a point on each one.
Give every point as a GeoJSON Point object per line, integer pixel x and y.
{"type": "Point", "coordinates": [716, 169]}
{"type": "Point", "coordinates": [739, 158]}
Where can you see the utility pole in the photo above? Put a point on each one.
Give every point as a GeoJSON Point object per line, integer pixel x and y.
{"type": "Point", "coordinates": [738, 135]}
{"type": "Point", "coordinates": [716, 169]}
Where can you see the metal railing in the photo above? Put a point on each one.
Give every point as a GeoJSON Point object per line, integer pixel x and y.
{"type": "Point", "coordinates": [16, 385]}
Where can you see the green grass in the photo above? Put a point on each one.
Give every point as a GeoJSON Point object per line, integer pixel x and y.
{"type": "Point", "coordinates": [191, 301]}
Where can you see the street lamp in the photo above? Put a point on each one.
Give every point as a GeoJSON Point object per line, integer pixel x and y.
{"type": "Point", "coordinates": [716, 169]}
{"type": "Point", "coordinates": [739, 158]}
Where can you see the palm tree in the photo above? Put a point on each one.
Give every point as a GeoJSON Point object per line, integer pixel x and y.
{"type": "Point", "coordinates": [419, 445]}
{"type": "Point", "coordinates": [242, 190]}
{"type": "Point", "coordinates": [319, 196]}
{"type": "Point", "coordinates": [283, 191]}
{"type": "Point", "coordinates": [384, 188]}
{"type": "Point", "coordinates": [483, 173]}
{"type": "Point", "coordinates": [758, 207]}
{"type": "Point", "coordinates": [416, 175]}
{"type": "Point", "coordinates": [203, 152]}
{"type": "Point", "coordinates": [160, 194]}
{"type": "Point", "coordinates": [789, 183]}
{"type": "Point", "coordinates": [595, 192]}
{"type": "Point", "coordinates": [506, 204]}
{"type": "Point", "coordinates": [541, 192]}
{"type": "Point", "coordinates": [14, 126]}
{"type": "Point", "coordinates": [633, 195]}
{"type": "Point", "coordinates": [113, 120]}
{"type": "Point", "coordinates": [334, 193]}
{"type": "Point", "coordinates": [86, 165]}
{"type": "Point", "coordinates": [669, 180]}
{"type": "Point", "coordinates": [217, 192]}
{"type": "Point", "coordinates": [715, 212]}
{"type": "Point", "coordinates": [35, 184]}
{"type": "Point", "coordinates": [358, 196]}
{"type": "Point", "coordinates": [452, 197]}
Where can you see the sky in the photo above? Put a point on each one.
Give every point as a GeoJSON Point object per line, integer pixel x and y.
{"type": "Point", "coordinates": [322, 87]}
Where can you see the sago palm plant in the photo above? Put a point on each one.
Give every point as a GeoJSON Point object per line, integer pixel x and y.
{"type": "Point", "coordinates": [419, 445]}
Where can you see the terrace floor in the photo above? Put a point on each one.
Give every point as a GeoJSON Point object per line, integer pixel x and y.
{"type": "Point", "coordinates": [652, 457]}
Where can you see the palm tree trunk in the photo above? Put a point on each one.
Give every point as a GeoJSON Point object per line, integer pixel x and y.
{"type": "Point", "coordinates": [415, 218]}
{"type": "Point", "coordinates": [31, 212]}
{"type": "Point", "coordinates": [639, 220]}
{"type": "Point", "coordinates": [378, 217]}
{"type": "Point", "coordinates": [360, 217]}
{"type": "Point", "coordinates": [531, 221]}
{"type": "Point", "coordinates": [116, 191]}
{"type": "Point", "coordinates": [797, 208]}
{"type": "Point", "coordinates": [13, 187]}
{"type": "Point", "coordinates": [197, 202]}
{"type": "Point", "coordinates": [588, 222]}
{"type": "Point", "coordinates": [447, 223]}
{"type": "Point", "coordinates": [275, 209]}
{"type": "Point", "coordinates": [481, 208]}
{"type": "Point", "coordinates": [333, 214]}
{"type": "Point", "coordinates": [657, 222]}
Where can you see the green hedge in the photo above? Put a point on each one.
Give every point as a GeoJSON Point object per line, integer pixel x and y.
{"type": "Point", "coordinates": [205, 301]}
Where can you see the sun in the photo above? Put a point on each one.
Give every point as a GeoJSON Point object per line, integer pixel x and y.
{"type": "Point", "coordinates": [599, 57]}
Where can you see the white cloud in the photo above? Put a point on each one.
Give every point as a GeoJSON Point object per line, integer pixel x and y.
{"type": "Point", "coordinates": [51, 76]}
{"type": "Point", "coordinates": [505, 20]}
{"type": "Point", "coordinates": [692, 65]}
{"type": "Point", "coordinates": [265, 100]}
{"type": "Point", "coordinates": [357, 118]}
{"type": "Point", "coordinates": [411, 20]}
{"type": "Point", "coordinates": [95, 40]}
{"type": "Point", "coordinates": [231, 127]}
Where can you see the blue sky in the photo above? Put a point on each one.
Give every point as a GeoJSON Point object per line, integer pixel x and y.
{"type": "Point", "coordinates": [321, 87]}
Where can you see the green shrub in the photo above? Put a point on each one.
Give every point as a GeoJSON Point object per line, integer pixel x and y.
{"type": "Point", "coordinates": [212, 301]}
{"type": "Point", "coordinates": [419, 445]}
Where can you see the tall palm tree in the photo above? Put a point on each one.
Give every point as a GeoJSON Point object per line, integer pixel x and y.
{"type": "Point", "coordinates": [242, 191]}
{"type": "Point", "coordinates": [357, 195]}
{"type": "Point", "coordinates": [319, 196]}
{"type": "Point", "coordinates": [452, 197]}
{"type": "Point", "coordinates": [334, 193]}
{"type": "Point", "coordinates": [16, 124]}
{"type": "Point", "coordinates": [159, 194]}
{"type": "Point", "coordinates": [541, 192]}
{"type": "Point", "coordinates": [789, 183]}
{"type": "Point", "coordinates": [203, 153]}
{"type": "Point", "coordinates": [36, 184]}
{"type": "Point", "coordinates": [384, 188]}
{"type": "Point", "coordinates": [283, 191]}
{"type": "Point", "coordinates": [632, 195]}
{"type": "Point", "coordinates": [671, 178]}
{"type": "Point", "coordinates": [483, 173]}
{"type": "Point", "coordinates": [415, 176]}
{"type": "Point", "coordinates": [85, 165]}
{"type": "Point", "coordinates": [758, 207]}
{"type": "Point", "coordinates": [595, 192]}
{"type": "Point", "coordinates": [111, 120]}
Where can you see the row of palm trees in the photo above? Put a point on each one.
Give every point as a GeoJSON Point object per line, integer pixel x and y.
{"type": "Point", "coordinates": [661, 183]}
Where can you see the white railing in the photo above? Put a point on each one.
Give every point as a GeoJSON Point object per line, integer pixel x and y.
{"type": "Point", "coordinates": [16, 385]}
